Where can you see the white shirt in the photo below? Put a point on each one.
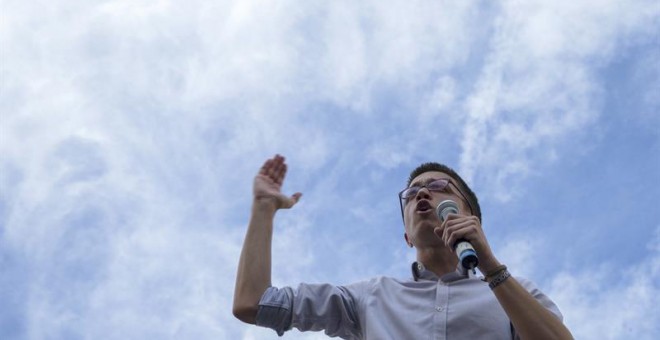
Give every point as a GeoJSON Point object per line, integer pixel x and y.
{"type": "Point", "coordinates": [454, 306]}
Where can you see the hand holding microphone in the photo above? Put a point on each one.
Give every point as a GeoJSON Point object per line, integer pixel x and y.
{"type": "Point", "coordinates": [467, 256]}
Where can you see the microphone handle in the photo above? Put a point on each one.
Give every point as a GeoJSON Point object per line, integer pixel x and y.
{"type": "Point", "coordinates": [467, 256]}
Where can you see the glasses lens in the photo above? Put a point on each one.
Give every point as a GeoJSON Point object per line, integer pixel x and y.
{"type": "Point", "coordinates": [410, 192]}
{"type": "Point", "coordinates": [438, 185]}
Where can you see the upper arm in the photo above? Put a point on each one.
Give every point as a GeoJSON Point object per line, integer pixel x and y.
{"type": "Point", "coordinates": [333, 309]}
{"type": "Point", "coordinates": [313, 307]}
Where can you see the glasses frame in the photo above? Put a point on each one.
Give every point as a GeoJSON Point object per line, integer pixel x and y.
{"type": "Point", "coordinates": [426, 186]}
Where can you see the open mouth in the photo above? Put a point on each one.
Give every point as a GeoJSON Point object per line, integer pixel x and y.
{"type": "Point", "coordinates": [424, 206]}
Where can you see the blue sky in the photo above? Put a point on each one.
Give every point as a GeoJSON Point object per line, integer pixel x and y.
{"type": "Point", "coordinates": [131, 130]}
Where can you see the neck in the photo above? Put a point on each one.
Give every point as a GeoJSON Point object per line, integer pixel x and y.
{"type": "Point", "coordinates": [439, 260]}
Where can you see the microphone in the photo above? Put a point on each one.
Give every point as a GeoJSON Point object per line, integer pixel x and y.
{"type": "Point", "coordinates": [463, 249]}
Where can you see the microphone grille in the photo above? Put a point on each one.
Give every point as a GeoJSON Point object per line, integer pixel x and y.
{"type": "Point", "coordinates": [445, 208]}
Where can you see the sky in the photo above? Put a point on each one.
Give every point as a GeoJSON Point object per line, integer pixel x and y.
{"type": "Point", "coordinates": [131, 131]}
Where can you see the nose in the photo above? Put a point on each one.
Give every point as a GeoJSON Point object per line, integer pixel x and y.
{"type": "Point", "coordinates": [423, 193]}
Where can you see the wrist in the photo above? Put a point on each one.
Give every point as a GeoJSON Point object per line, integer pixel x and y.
{"type": "Point", "coordinates": [264, 205]}
{"type": "Point", "coordinates": [498, 278]}
{"type": "Point", "coordinates": [488, 265]}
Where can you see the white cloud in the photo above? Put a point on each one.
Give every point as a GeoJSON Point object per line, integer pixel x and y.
{"type": "Point", "coordinates": [597, 307]}
{"type": "Point", "coordinates": [518, 253]}
{"type": "Point", "coordinates": [646, 78]}
{"type": "Point", "coordinates": [384, 156]}
{"type": "Point", "coordinates": [605, 302]}
{"type": "Point", "coordinates": [538, 85]}
{"type": "Point", "coordinates": [609, 302]}
{"type": "Point", "coordinates": [131, 131]}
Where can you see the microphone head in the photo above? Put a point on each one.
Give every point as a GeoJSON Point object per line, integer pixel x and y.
{"type": "Point", "coordinates": [445, 208]}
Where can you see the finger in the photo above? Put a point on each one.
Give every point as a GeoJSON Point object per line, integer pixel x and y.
{"type": "Point", "coordinates": [278, 172]}
{"type": "Point", "coordinates": [444, 226]}
{"type": "Point", "coordinates": [439, 232]}
{"type": "Point", "coordinates": [461, 222]}
{"type": "Point", "coordinates": [265, 167]}
{"type": "Point", "coordinates": [281, 173]}
{"type": "Point", "coordinates": [458, 217]}
{"type": "Point", "coordinates": [465, 230]}
{"type": "Point", "coordinates": [277, 166]}
{"type": "Point", "coordinates": [452, 216]}
{"type": "Point", "coordinates": [449, 228]}
{"type": "Point", "coordinates": [270, 166]}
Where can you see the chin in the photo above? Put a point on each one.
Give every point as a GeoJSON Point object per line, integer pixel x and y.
{"type": "Point", "coordinates": [425, 231]}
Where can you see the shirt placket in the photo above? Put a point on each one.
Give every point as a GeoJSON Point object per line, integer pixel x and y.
{"type": "Point", "coordinates": [440, 310]}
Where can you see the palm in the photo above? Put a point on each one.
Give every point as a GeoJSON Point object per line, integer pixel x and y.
{"type": "Point", "coordinates": [268, 183]}
{"type": "Point", "coordinates": [265, 187]}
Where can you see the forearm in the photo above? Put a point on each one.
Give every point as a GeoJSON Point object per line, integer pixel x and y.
{"type": "Point", "coordinates": [530, 319]}
{"type": "Point", "coordinates": [254, 267]}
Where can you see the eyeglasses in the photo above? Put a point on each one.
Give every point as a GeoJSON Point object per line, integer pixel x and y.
{"type": "Point", "coordinates": [435, 185]}
{"type": "Point", "coordinates": [438, 185]}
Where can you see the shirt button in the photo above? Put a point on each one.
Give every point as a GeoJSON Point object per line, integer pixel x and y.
{"type": "Point", "coordinates": [439, 309]}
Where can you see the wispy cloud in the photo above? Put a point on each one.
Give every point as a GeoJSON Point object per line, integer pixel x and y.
{"type": "Point", "coordinates": [539, 86]}
{"type": "Point", "coordinates": [609, 302]}
{"type": "Point", "coordinates": [131, 130]}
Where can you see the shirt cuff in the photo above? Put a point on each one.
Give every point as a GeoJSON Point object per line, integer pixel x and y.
{"type": "Point", "coordinates": [275, 309]}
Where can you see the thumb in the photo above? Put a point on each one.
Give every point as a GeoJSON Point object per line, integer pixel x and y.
{"type": "Point", "coordinates": [291, 201]}
{"type": "Point", "coordinates": [439, 231]}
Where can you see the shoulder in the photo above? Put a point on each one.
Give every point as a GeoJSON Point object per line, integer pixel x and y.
{"type": "Point", "coordinates": [387, 280]}
{"type": "Point", "coordinates": [353, 289]}
{"type": "Point", "coordinates": [378, 280]}
{"type": "Point", "coordinates": [387, 285]}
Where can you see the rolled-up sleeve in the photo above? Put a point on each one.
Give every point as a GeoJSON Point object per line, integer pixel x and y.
{"type": "Point", "coordinates": [275, 309]}
{"type": "Point", "coordinates": [312, 307]}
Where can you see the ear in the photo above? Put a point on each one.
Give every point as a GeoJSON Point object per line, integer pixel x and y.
{"type": "Point", "coordinates": [405, 237]}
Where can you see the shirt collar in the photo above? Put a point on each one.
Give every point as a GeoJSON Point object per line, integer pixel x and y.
{"type": "Point", "coordinates": [420, 272]}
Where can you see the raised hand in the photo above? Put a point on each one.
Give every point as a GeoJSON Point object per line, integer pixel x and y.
{"type": "Point", "coordinates": [268, 184]}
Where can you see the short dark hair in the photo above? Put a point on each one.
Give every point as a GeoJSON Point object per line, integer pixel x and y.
{"type": "Point", "coordinates": [463, 187]}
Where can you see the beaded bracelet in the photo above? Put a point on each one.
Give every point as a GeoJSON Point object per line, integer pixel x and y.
{"type": "Point", "coordinates": [499, 279]}
{"type": "Point", "coordinates": [495, 271]}
{"type": "Point", "coordinates": [491, 274]}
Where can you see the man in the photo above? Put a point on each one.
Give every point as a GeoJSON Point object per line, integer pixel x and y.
{"type": "Point", "coordinates": [440, 301]}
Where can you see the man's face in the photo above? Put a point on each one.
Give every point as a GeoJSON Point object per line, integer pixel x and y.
{"type": "Point", "coordinates": [419, 209]}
